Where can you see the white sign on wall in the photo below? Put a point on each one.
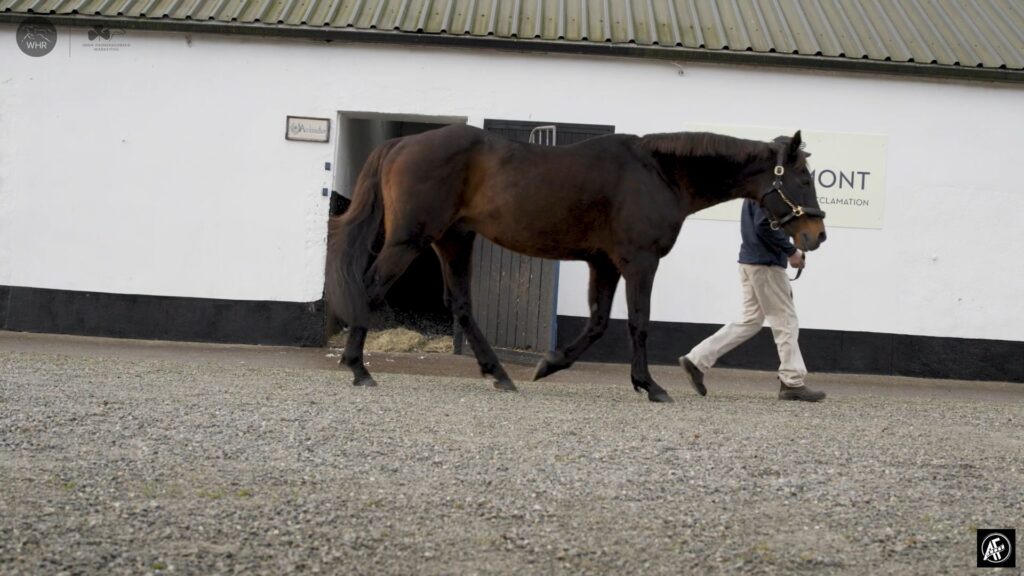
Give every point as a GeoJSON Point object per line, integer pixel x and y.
{"type": "Point", "coordinates": [307, 129]}
{"type": "Point", "coordinates": [848, 171]}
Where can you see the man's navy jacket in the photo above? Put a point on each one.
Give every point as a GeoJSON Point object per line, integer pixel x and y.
{"type": "Point", "coordinates": [761, 244]}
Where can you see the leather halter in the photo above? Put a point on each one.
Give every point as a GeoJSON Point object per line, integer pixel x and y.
{"type": "Point", "coordinates": [796, 211]}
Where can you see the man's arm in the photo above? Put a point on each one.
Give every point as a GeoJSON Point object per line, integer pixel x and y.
{"type": "Point", "coordinates": [775, 238]}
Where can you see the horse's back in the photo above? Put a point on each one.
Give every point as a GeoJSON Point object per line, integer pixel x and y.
{"type": "Point", "coordinates": [556, 202]}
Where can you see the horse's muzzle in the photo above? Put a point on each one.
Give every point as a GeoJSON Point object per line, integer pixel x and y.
{"type": "Point", "coordinates": [810, 241]}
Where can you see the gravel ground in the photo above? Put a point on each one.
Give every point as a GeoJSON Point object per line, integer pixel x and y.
{"type": "Point", "coordinates": [133, 465]}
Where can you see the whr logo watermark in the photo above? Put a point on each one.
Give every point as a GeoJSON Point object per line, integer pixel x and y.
{"type": "Point", "coordinates": [36, 37]}
{"type": "Point", "coordinates": [996, 548]}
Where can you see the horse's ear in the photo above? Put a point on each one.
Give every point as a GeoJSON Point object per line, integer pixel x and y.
{"type": "Point", "coordinates": [794, 144]}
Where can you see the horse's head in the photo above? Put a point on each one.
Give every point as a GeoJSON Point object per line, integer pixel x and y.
{"type": "Point", "coordinates": [791, 200]}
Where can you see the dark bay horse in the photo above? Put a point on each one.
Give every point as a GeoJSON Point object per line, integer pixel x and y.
{"type": "Point", "coordinates": [616, 202]}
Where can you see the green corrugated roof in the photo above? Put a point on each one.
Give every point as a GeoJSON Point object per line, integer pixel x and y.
{"type": "Point", "coordinates": [986, 34]}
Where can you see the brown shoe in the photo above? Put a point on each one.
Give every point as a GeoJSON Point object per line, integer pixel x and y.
{"type": "Point", "coordinates": [696, 376]}
{"type": "Point", "coordinates": [799, 393]}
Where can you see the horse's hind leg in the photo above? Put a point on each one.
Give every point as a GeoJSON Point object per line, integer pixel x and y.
{"type": "Point", "coordinates": [604, 277]}
{"type": "Point", "coordinates": [456, 250]}
{"type": "Point", "coordinates": [353, 357]}
{"type": "Point", "coordinates": [389, 265]}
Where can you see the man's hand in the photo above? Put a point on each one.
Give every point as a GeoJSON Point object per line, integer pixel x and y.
{"type": "Point", "coordinates": [797, 259]}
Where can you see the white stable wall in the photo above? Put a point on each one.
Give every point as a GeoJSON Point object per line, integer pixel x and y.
{"type": "Point", "coordinates": [162, 169]}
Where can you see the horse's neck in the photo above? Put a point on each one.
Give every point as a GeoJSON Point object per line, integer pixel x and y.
{"type": "Point", "coordinates": [708, 169]}
{"type": "Point", "coordinates": [708, 181]}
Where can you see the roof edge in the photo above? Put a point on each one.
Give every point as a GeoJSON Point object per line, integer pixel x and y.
{"type": "Point", "coordinates": [746, 58]}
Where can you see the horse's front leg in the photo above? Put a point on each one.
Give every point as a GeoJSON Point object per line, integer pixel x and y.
{"type": "Point", "coordinates": [604, 277]}
{"type": "Point", "coordinates": [639, 273]}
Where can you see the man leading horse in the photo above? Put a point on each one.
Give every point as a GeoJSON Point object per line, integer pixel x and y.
{"type": "Point", "coordinates": [616, 202]}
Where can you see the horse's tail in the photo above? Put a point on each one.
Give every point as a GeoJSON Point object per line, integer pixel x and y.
{"type": "Point", "coordinates": [351, 240]}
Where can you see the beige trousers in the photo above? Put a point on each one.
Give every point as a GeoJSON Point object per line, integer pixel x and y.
{"type": "Point", "coordinates": [766, 295]}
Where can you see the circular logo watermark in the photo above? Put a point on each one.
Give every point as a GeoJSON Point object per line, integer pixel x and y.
{"type": "Point", "coordinates": [996, 548]}
{"type": "Point", "coordinates": [36, 37]}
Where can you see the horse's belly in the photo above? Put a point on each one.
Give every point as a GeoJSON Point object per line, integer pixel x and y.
{"type": "Point", "coordinates": [564, 244]}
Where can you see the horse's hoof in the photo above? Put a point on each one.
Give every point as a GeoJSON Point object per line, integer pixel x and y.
{"type": "Point", "coordinates": [661, 397]}
{"type": "Point", "coordinates": [547, 366]}
{"type": "Point", "coordinates": [367, 381]}
{"type": "Point", "coordinates": [505, 386]}
{"type": "Point", "coordinates": [543, 369]}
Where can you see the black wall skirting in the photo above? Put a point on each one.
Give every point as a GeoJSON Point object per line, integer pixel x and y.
{"type": "Point", "coordinates": [823, 351]}
{"type": "Point", "coordinates": [5, 296]}
{"type": "Point", "coordinates": [161, 317]}
{"type": "Point", "coordinates": [302, 324]}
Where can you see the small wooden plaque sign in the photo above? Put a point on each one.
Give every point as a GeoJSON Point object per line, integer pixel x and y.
{"type": "Point", "coordinates": [305, 129]}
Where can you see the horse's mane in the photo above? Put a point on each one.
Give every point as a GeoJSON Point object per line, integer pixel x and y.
{"type": "Point", "coordinates": [704, 144]}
